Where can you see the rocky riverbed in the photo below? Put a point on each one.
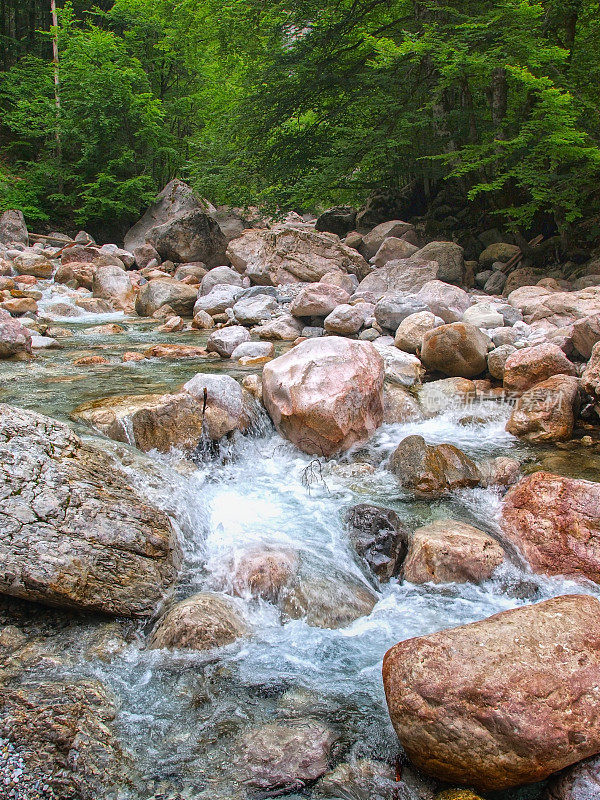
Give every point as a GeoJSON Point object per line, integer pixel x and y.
{"type": "Point", "coordinates": [240, 465]}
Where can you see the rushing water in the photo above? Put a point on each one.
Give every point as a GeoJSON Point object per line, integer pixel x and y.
{"type": "Point", "coordinates": [181, 713]}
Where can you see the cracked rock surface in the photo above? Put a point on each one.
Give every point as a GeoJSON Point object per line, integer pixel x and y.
{"type": "Point", "coordinates": [72, 531]}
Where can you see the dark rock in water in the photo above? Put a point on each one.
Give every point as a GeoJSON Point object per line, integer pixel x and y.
{"type": "Point", "coordinates": [194, 236]}
{"type": "Point", "coordinates": [73, 532]}
{"type": "Point", "coordinates": [285, 754]}
{"type": "Point", "coordinates": [63, 730]}
{"type": "Point", "coordinates": [430, 471]}
{"type": "Point", "coordinates": [581, 782]}
{"type": "Point", "coordinates": [359, 780]}
{"type": "Point", "coordinates": [340, 220]}
{"type": "Point", "coordinates": [379, 538]}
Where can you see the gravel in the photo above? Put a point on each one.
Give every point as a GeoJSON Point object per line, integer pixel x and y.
{"type": "Point", "coordinates": [16, 781]}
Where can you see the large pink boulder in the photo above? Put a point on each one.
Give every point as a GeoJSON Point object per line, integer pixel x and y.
{"type": "Point", "coordinates": [524, 368]}
{"type": "Point", "coordinates": [501, 702]}
{"type": "Point", "coordinates": [14, 337]}
{"type": "Point", "coordinates": [326, 394]}
{"type": "Point", "coordinates": [555, 523]}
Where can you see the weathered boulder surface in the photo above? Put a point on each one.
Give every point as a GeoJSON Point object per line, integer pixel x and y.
{"type": "Point", "coordinates": [449, 551]}
{"type": "Point", "coordinates": [580, 782]}
{"type": "Point", "coordinates": [399, 275]}
{"type": "Point", "coordinates": [327, 601]}
{"type": "Point", "coordinates": [546, 412]}
{"type": "Point", "coordinates": [524, 368]}
{"type": "Point", "coordinates": [501, 702]}
{"type": "Point", "coordinates": [326, 394]}
{"type": "Point", "coordinates": [378, 537]}
{"type": "Point", "coordinates": [289, 253]}
{"type": "Point", "coordinates": [449, 257]}
{"type": "Point", "coordinates": [458, 350]}
{"type": "Point", "coordinates": [590, 378]}
{"type": "Point", "coordinates": [555, 523]}
{"type": "Point", "coordinates": [281, 754]}
{"type": "Point", "coordinates": [165, 291]}
{"type": "Point", "coordinates": [194, 236]}
{"type": "Point", "coordinates": [13, 229]}
{"type": "Point", "coordinates": [73, 532]}
{"type": "Point", "coordinates": [318, 300]}
{"type": "Point", "coordinates": [432, 471]}
{"type": "Point", "coordinates": [34, 264]}
{"type": "Point", "coordinates": [410, 332]}
{"type": "Point", "coordinates": [14, 337]}
{"type": "Point", "coordinates": [175, 199]}
{"type": "Point", "coordinates": [114, 284]}
{"type": "Point", "coordinates": [65, 730]}
{"type": "Point", "coordinates": [200, 622]}
{"type": "Point", "coordinates": [339, 220]}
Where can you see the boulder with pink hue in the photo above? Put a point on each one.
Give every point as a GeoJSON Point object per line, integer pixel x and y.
{"type": "Point", "coordinates": [448, 551]}
{"type": "Point", "coordinates": [546, 412]}
{"type": "Point", "coordinates": [318, 300]}
{"type": "Point", "coordinates": [326, 394]}
{"type": "Point", "coordinates": [581, 782]}
{"type": "Point", "coordinates": [555, 523]}
{"type": "Point", "coordinates": [291, 253]}
{"type": "Point", "coordinates": [502, 702]}
{"type": "Point", "coordinates": [524, 368]}
{"type": "Point", "coordinates": [14, 337]}
{"type": "Point", "coordinates": [456, 350]}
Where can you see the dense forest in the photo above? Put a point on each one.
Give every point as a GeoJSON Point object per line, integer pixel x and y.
{"type": "Point", "coordinates": [302, 105]}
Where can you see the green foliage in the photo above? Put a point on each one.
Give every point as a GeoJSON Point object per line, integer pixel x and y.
{"type": "Point", "coordinates": [305, 104]}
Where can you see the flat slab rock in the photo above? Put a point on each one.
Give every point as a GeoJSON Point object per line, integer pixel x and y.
{"type": "Point", "coordinates": [73, 533]}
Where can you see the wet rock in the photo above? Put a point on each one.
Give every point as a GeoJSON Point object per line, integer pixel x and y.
{"type": "Point", "coordinates": [255, 310]}
{"type": "Point", "coordinates": [554, 522]}
{"type": "Point", "coordinates": [193, 236]}
{"type": "Point", "coordinates": [90, 361]}
{"type": "Point", "coordinates": [288, 253]}
{"type": "Point", "coordinates": [501, 702]}
{"type": "Point", "coordinates": [225, 340]}
{"type": "Point", "coordinates": [318, 300]}
{"type": "Point", "coordinates": [219, 276]}
{"type": "Point", "coordinates": [332, 601]}
{"type": "Point", "coordinates": [450, 259]}
{"type": "Point", "coordinates": [76, 274]}
{"type": "Point", "coordinates": [110, 329]}
{"type": "Point", "coordinates": [411, 330]}
{"type": "Point", "coordinates": [326, 394]}
{"type": "Point", "coordinates": [224, 403]}
{"type": "Point", "coordinates": [14, 338]}
{"type": "Point", "coordinates": [18, 306]}
{"type": "Point", "coordinates": [546, 412]}
{"type": "Point", "coordinates": [457, 350]}
{"type": "Point", "coordinates": [345, 319]}
{"type": "Point", "coordinates": [399, 405]}
{"type": "Point", "coordinates": [359, 780]}
{"type": "Point", "coordinates": [154, 294]}
{"type": "Point", "coordinates": [13, 229]}
{"type": "Point", "coordinates": [92, 305]}
{"type": "Point", "coordinates": [436, 397]}
{"type": "Point", "coordinates": [532, 365]}
{"type": "Point", "coordinates": [114, 285]}
{"type": "Point", "coordinates": [448, 551]}
{"type": "Point", "coordinates": [378, 537]}
{"type": "Point", "coordinates": [33, 264]}
{"type": "Point", "coordinates": [201, 622]}
{"type": "Point", "coordinates": [253, 352]}
{"type": "Point", "coordinates": [429, 471]}
{"type": "Point", "coordinates": [497, 358]}
{"type": "Point", "coordinates": [581, 782]}
{"type": "Point", "coordinates": [262, 572]}
{"type": "Point", "coordinates": [172, 325]}
{"type": "Point", "coordinates": [447, 302]}
{"type": "Point", "coordinates": [202, 321]}
{"type": "Point", "coordinates": [499, 471]}
{"type": "Point", "coordinates": [64, 730]}
{"type": "Point", "coordinates": [76, 534]}
{"type": "Point", "coordinates": [285, 754]}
